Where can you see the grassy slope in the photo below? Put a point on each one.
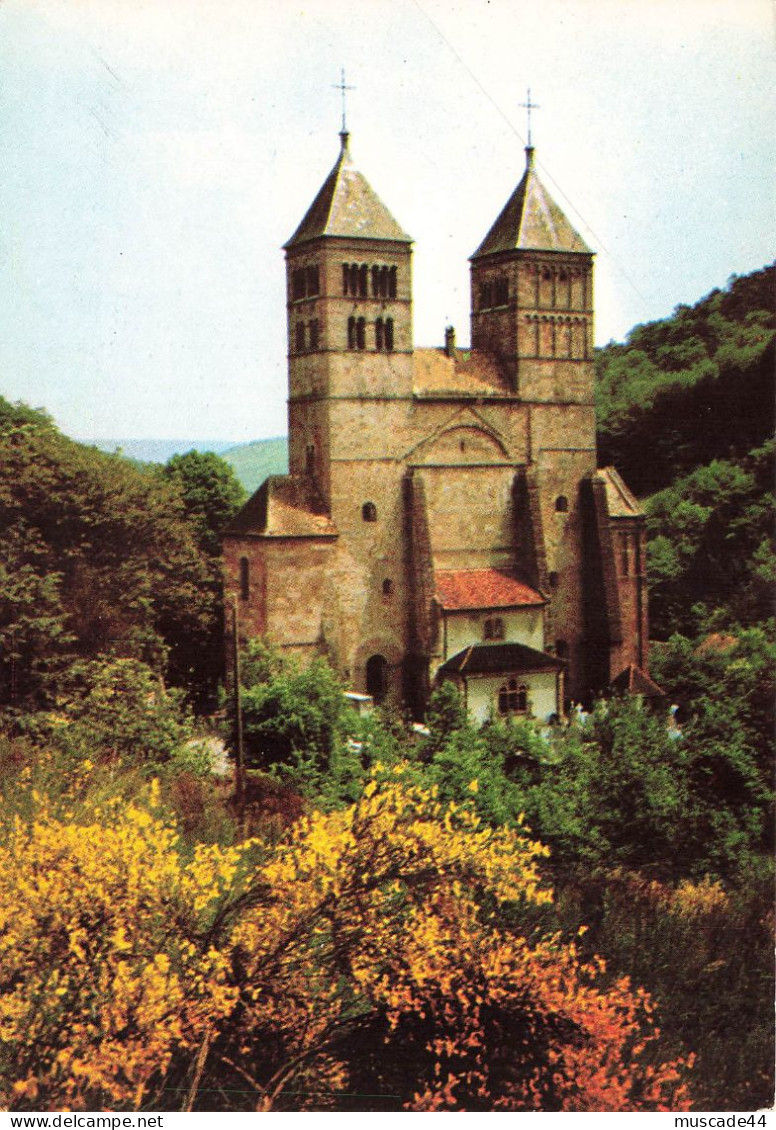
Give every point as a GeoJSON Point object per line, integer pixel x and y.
{"type": "Point", "coordinates": [253, 462]}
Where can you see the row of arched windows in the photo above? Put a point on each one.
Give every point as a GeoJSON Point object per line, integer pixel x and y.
{"type": "Point", "coordinates": [557, 336]}
{"type": "Point", "coordinates": [383, 334]}
{"type": "Point", "coordinates": [356, 276]}
{"type": "Point", "coordinates": [565, 287]}
{"type": "Point", "coordinates": [305, 282]}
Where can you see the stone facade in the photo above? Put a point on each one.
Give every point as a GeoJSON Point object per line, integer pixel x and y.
{"type": "Point", "coordinates": [443, 498]}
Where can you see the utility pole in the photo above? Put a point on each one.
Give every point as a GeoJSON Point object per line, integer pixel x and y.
{"type": "Point", "coordinates": [239, 750]}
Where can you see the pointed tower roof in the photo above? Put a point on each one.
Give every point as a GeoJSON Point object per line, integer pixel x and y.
{"type": "Point", "coordinates": [347, 206]}
{"type": "Point", "coordinates": [531, 221]}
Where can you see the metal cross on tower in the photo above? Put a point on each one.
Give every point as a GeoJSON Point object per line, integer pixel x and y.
{"type": "Point", "coordinates": [342, 87]}
{"type": "Point", "coordinates": [527, 105]}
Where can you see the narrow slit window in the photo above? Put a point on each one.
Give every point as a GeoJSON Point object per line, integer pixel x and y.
{"type": "Point", "coordinates": [245, 578]}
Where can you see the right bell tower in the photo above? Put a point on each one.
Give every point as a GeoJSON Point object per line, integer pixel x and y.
{"type": "Point", "coordinates": [532, 296]}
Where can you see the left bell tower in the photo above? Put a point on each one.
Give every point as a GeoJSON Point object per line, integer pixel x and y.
{"type": "Point", "coordinates": [349, 305]}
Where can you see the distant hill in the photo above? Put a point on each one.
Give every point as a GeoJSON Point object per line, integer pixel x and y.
{"type": "Point", "coordinates": [253, 462]}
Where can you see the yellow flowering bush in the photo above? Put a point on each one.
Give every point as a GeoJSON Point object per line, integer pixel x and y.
{"type": "Point", "coordinates": [374, 963]}
{"type": "Point", "coordinates": [363, 956]}
{"type": "Point", "coordinates": [102, 973]}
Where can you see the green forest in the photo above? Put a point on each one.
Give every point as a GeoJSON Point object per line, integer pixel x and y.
{"type": "Point", "coordinates": [445, 918]}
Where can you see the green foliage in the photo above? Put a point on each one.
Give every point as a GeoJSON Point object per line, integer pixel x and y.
{"type": "Point", "coordinates": [296, 713]}
{"type": "Point", "coordinates": [96, 557]}
{"type": "Point", "coordinates": [211, 494]}
{"type": "Point", "coordinates": [627, 791]}
{"type": "Point", "coordinates": [691, 388]}
{"type": "Point", "coordinates": [712, 545]}
{"type": "Point", "coordinates": [119, 710]}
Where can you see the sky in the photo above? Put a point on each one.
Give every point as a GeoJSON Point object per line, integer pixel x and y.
{"type": "Point", "coordinates": [156, 154]}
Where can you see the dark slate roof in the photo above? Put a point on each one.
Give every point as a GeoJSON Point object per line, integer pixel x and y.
{"type": "Point", "coordinates": [531, 221]}
{"type": "Point", "coordinates": [347, 206]}
{"type": "Point", "coordinates": [500, 659]}
{"type": "Point", "coordinates": [458, 590]}
{"type": "Point", "coordinates": [283, 506]}
{"type": "Point", "coordinates": [634, 680]}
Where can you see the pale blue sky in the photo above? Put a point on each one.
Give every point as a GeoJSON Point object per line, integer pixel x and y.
{"type": "Point", "coordinates": [156, 154]}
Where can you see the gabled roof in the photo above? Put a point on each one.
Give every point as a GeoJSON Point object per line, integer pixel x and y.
{"type": "Point", "coordinates": [347, 206]}
{"type": "Point", "coordinates": [620, 502]}
{"type": "Point", "coordinates": [500, 659]}
{"type": "Point", "coordinates": [459, 590]}
{"type": "Point", "coordinates": [531, 221]}
{"type": "Point", "coordinates": [283, 506]}
{"type": "Point", "coordinates": [635, 680]}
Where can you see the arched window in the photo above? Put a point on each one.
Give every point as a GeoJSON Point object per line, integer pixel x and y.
{"type": "Point", "coordinates": [354, 278]}
{"type": "Point", "coordinates": [561, 504]}
{"type": "Point", "coordinates": [360, 333]}
{"type": "Point", "coordinates": [299, 283]}
{"type": "Point", "coordinates": [377, 677]}
{"type": "Point", "coordinates": [392, 283]}
{"type": "Point", "coordinates": [369, 512]}
{"type": "Point", "coordinates": [379, 336]}
{"type": "Point", "coordinates": [363, 281]}
{"type": "Point", "coordinates": [345, 279]}
{"type": "Point", "coordinates": [493, 629]}
{"type": "Point", "coordinates": [387, 587]}
{"type": "Point", "coordinates": [351, 333]}
{"type": "Point", "coordinates": [245, 578]}
{"type": "Point", "coordinates": [389, 334]}
{"type": "Point", "coordinates": [375, 282]}
{"type": "Point", "coordinates": [300, 337]}
{"type": "Point", "coordinates": [513, 698]}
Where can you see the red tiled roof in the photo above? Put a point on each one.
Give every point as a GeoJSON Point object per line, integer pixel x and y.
{"type": "Point", "coordinates": [461, 589]}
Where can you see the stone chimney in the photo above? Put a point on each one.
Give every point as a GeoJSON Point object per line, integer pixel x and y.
{"type": "Point", "coordinates": [450, 341]}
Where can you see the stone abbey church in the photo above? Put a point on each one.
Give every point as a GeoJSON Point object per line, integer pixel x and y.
{"type": "Point", "coordinates": [443, 517]}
